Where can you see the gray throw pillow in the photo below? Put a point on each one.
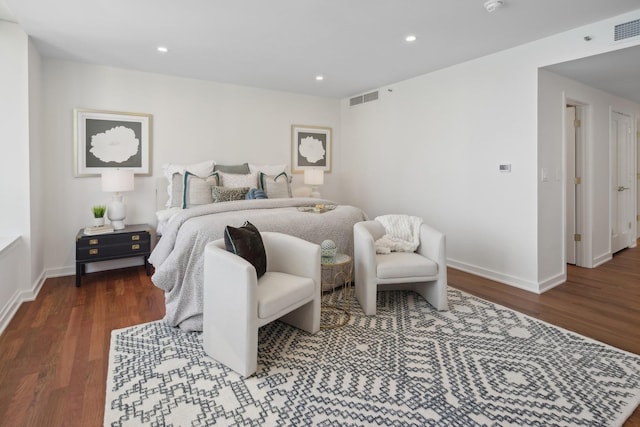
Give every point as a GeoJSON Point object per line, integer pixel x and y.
{"type": "Point", "coordinates": [240, 169]}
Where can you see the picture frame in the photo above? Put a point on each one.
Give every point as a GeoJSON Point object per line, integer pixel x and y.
{"type": "Point", "coordinates": [111, 139]}
{"type": "Point", "coordinates": [311, 148]}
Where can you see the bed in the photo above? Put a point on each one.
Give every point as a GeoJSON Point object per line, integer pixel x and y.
{"type": "Point", "coordinates": [178, 257]}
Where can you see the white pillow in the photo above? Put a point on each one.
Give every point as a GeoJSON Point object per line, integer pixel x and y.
{"type": "Point", "coordinates": [235, 180]}
{"type": "Point", "coordinates": [267, 169]}
{"type": "Point", "coordinates": [277, 186]}
{"type": "Point", "coordinates": [202, 169]}
{"type": "Point", "coordinates": [197, 191]}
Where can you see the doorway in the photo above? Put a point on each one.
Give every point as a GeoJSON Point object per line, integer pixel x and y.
{"type": "Point", "coordinates": [623, 158]}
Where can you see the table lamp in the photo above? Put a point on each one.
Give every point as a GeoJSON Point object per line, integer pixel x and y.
{"type": "Point", "coordinates": [314, 178]}
{"type": "Point", "coordinates": [117, 181]}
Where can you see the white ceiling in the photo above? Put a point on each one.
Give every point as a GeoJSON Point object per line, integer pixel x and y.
{"type": "Point", "coordinates": [358, 45]}
{"type": "Point", "coordinates": [616, 72]}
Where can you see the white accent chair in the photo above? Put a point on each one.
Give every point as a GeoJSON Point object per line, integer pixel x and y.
{"type": "Point", "coordinates": [237, 303]}
{"type": "Point", "coordinates": [423, 271]}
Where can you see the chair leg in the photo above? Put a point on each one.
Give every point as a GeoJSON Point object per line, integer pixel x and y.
{"type": "Point", "coordinates": [435, 293]}
{"type": "Point", "coordinates": [366, 294]}
{"type": "Point", "coordinates": [305, 317]}
{"type": "Point", "coordinates": [235, 349]}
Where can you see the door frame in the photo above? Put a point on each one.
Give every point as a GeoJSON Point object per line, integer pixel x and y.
{"type": "Point", "coordinates": [583, 165]}
{"type": "Point", "coordinates": [632, 205]}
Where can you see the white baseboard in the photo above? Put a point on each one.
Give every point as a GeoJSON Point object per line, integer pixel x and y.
{"type": "Point", "coordinates": [11, 307]}
{"type": "Point", "coordinates": [601, 259]}
{"type": "Point", "coordinates": [552, 282]}
{"type": "Point", "coordinates": [494, 275]}
{"type": "Point", "coordinates": [9, 310]}
{"type": "Point", "coordinates": [61, 272]}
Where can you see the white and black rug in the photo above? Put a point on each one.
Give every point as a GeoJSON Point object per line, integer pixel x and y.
{"type": "Point", "coordinates": [477, 364]}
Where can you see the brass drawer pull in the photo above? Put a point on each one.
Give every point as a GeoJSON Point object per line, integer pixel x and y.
{"type": "Point", "coordinates": [136, 246]}
{"type": "Point", "coordinates": [93, 241]}
{"type": "Point", "coordinates": [93, 252]}
{"type": "Point", "coordinates": [135, 237]}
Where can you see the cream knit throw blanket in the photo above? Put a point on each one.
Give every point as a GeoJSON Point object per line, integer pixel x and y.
{"type": "Point", "coordinates": [402, 233]}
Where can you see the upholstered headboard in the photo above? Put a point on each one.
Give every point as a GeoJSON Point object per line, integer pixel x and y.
{"type": "Point", "coordinates": [161, 193]}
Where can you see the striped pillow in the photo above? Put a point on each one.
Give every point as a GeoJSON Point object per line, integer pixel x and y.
{"type": "Point", "coordinates": [197, 191]}
{"type": "Point", "coordinates": [276, 187]}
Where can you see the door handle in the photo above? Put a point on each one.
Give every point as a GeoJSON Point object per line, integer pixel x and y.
{"type": "Point", "coordinates": [621, 188]}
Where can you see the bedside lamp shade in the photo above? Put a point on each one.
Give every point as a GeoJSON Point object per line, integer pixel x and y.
{"type": "Point", "coordinates": [117, 181]}
{"type": "Point", "coordinates": [314, 178]}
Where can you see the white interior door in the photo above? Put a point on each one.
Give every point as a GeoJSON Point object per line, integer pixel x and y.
{"type": "Point", "coordinates": [622, 156]}
{"type": "Point", "coordinates": [571, 231]}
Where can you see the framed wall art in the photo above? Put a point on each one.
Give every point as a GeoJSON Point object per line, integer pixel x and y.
{"type": "Point", "coordinates": [310, 148]}
{"type": "Point", "coordinates": [111, 139]}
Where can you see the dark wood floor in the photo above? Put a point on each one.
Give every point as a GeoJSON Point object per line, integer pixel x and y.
{"type": "Point", "coordinates": [54, 353]}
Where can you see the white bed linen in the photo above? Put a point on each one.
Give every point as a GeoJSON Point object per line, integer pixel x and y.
{"type": "Point", "coordinates": [178, 257]}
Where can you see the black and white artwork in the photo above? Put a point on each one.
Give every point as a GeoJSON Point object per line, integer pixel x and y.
{"type": "Point", "coordinates": [111, 140]}
{"type": "Point", "coordinates": [310, 148]}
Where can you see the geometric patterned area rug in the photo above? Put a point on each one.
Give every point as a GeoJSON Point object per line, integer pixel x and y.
{"type": "Point", "coordinates": [476, 364]}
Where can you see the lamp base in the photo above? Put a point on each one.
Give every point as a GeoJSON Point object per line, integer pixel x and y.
{"type": "Point", "coordinates": [117, 225]}
{"type": "Point", "coordinates": [116, 212]}
{"type": "Point", "coordinates": [314, 193]}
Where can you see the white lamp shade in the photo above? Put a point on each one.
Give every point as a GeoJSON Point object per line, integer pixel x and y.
{"type": "Point", "coordinates": [117, 180]}
{"type": "Point", "coordinates": [313, 176]}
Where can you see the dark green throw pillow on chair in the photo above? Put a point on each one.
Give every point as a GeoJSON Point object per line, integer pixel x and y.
{"type": "Point", "coordinates": [246, 242]}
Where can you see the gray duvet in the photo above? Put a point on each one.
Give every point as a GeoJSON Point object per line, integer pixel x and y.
{"type": "Point", "coordinates": [178, 257]}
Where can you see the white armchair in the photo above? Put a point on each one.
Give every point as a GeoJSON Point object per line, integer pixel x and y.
{"type": "Point", "coordinates": [423, 271]}
{"type": "Point", "coordinates": [237, 303]}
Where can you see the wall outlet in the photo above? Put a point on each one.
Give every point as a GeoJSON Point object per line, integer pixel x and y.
{"type": "Point", "coordinates": [504, 167]}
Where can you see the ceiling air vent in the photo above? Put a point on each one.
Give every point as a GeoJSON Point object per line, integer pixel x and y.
{"type": "Point", "coordinates": [361, 99]}
{"type": "Point", "coordinates": [372, 96]}
{"type": "Point", "coordinates": [356, 100]}
{"type": "Point", "coordinates": [627, 30]}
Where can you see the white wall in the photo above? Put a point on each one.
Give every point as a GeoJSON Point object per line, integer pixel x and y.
{"type": "Point", "coordinates": [431, 147]}
{"type": "Point", "coordinates": [14, 168]}
{"type": "Point", "coordinates": [554, 92]}
{"type": "Point", "coordinates": [38, 210]}
{"type": "Point", "coordinates": [192, 120]}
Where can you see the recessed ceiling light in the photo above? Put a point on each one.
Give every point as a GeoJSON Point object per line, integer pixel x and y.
{"type": "Point", "coordinates": [319, 77]}
{"type": "Point", "coordinates": [163, 49]}
{"type": "Point", "coordinates": [410, 38]}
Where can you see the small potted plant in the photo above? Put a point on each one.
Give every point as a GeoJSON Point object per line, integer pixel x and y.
{"type": "Point", "coordinates": [98, 214]}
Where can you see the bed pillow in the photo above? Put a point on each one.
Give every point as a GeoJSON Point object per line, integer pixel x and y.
{"type": "Point", "coordinates": [239, 169]}
{"type": "Point", "coordinates": [224, 194]}
{"type": "Point", "coordinates": [234, 180]}
{"type": "Point", "coordinates": [176, 188]}
{"type": "Point", "coordinates": [276, 186]}
{"type": "Point", "coordinates": [255, 193]}
{"type": "Point", "coordinates": [268, 169]}
{"type": "Point", "coordinates": [197, 191]}
{"type": "Point", "coordinates": [177, 199]}
{"type": "Point", "coordinates": [169, 170]}
{"type": "Point", "coordinates": [246, 242]}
